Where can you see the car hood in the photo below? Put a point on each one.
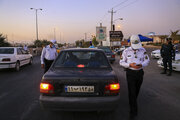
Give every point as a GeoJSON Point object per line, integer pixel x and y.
{"type": "Point", "coordinates": [79, 73]}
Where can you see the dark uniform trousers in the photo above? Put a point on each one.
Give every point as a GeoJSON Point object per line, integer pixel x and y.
{"type": "Point", "coordinates": [48, 64]}
{"type": "Point", "coordinates": [134, 79]}
{"type": "Point", "coordinates": [169, 62]}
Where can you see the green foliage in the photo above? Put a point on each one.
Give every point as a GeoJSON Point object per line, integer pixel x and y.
{"type": "Point", "coordinates": [94, 41]}
{"type": "Point", "coordinates": [3, 42]}
{"type": "Point", "coordinates": [41, 43]}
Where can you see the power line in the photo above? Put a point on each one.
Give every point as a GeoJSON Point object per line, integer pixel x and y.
{"type": "Point", "coordinates": [127, 5]}
{"type": "Point", "coordinates": [120, 4]}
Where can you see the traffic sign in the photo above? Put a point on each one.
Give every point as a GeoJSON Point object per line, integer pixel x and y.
{"type": "Point", "coordinates": [116, 35]}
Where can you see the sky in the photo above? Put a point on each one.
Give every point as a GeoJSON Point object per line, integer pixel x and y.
{"type": "Point", "coordinates": [71, 19]}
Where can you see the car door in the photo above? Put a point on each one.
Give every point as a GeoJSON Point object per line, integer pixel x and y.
{"type": "Point", "coordinates": [20, 56]}
{"type": "Point", "coordinates": [26, 57]}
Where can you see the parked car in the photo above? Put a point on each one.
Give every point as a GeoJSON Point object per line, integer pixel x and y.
{"type": "Point", "coordinates": [110, 55]}
{"type": "Point", "coordinates": [14, 57]}
{"type": "Point", "coordinates": [156, 54]}
{"type": "Point", "coordinates": [80, 79]}
{"type": "Point", "coordinates": [175, 63]}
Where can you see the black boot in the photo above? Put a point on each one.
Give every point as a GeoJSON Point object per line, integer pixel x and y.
{"type": "Point", "coordinates": [164, 72]}
{"type": "Point", "coordinates": [169, 74]}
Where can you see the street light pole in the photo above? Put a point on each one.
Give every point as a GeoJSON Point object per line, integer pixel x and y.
{"type": "Point", "coordinates": [36, 10]}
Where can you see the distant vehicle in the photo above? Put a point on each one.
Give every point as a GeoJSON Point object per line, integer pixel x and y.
{"type": "Point", "coordinates": [175, 63]}
{"type": "Point", "coordinates": [110, 55]}
{"type": "Point", "coordinates": [156, 54]}
{"type": "Point", "coordinates": [14, 57]}
{"type": "Point", "coordinates": [122, 48]}
{"type": "Point", "coordinates": [80, 79]}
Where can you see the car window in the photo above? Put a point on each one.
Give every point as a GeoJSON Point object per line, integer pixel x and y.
{"type": "Point", "coordinates": [105, 49]}
{"type": "Point", "coordinates": [6, 50]}
{"type": "Point", "coordinates": [82, 59]}
{"type": "Point", "coordinates": [23, 51]}
{"type": "Point", "coordinates": [19, 52]}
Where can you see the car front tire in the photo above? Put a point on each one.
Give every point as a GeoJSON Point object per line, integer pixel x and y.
{"type": "Point", "coordinates": [31, 61]}
{"type": "Point", "coordinates": [17, 67]}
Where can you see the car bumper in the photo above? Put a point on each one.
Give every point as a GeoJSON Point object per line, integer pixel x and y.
{"type": "Point", "coordinates": [79, 103]}
{"type": "Point", "coordinates": [7, 65]}
{"type": "Point", "coordinates": [175, 67]}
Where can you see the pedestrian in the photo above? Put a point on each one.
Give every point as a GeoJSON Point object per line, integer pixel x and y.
{"type": "Point", "coordinates": [25, 48]}
{"type": "Point", "coordinates": [168, 54]}
{"type": "Point", "coordinates": [91, 45]}
{"type": "Point", "coordinates": [134, 59]}
{"type": "Point", "coordinates": [48, 55]}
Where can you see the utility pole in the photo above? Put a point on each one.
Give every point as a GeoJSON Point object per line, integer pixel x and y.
{"type": "Point", "coordinates": [112, 12]}
{"type": "Point", "coordinates": [36, 10]}
{"type": "Point", "coordinates": [54, 33]}
{"type": "Point", "coordinates": [85, 36]}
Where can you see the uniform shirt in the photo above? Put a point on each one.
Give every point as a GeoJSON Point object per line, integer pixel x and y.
{"type": "Point", "coordinates": [134, 56]}
{"type": "Point", "coordinates": [91, 46]}
{"type": "Point", "coordinates": [48, 53]}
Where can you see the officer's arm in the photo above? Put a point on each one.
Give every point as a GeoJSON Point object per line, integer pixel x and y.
{"type": "Point", "coordinates": [161, 50]}
{"type": "Point", "coordinates": [56, 54]}
{"type": "Point", "coordinates": [43, 55]}
{"type": "Point", "coordinates": [173, 53]}
{"type": "Point", "coordinates": [123, 60]}
{"type": "Point", "coordinates": [146, 59]}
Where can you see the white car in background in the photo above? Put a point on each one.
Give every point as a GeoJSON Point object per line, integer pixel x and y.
{"type": "Point", "coordinates": [14, 57]}
{"type": "Point", "coordinates": [156, 54]}
{"type": "Point", "coordinates": [175, 63]}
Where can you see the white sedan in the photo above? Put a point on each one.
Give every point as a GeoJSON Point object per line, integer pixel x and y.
{"type": "Point", "coordinates": [14, 57]}
{"type": "Point", "coordinates": [156, 54]}
{"type": "Point", "coordinates": [175, 63]}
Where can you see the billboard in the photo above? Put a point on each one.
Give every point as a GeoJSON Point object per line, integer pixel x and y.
{"type": "Point", "coordinates": [116, 35]}
{"type": "Point", "coordinates": [100, 33]}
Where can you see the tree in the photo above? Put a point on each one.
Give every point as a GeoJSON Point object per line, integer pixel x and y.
{"type": "Point", "coordinates": [3, 42]}
{"type": "Point", "coordinates": [38, 43]}
{"type": "Point", "coordinates": [94, 41]}
{"type": "Point", "coordinates": [174, 35]}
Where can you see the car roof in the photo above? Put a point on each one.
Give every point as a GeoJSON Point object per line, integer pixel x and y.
{"type": "Point", "coordinates": [10, 47]}
{"type": "Point", "coordinates": [82, 49]}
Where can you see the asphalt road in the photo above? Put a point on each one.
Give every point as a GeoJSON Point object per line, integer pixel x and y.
{"type": "Point", "coordinates": [159, 97]}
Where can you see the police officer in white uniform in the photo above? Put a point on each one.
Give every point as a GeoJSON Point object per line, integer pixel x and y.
{"type": "Point", "coordinates": [48, 55]}
{"type": "Point", "coordinates": [134, 58]}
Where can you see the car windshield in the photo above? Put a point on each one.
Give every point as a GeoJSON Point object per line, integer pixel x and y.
{"type": "Point", "coordinates": [106, 49]}
{"type": "Point", "coordinates": [6, 50]}
{"type": "Point", "coordinates": [82, 59]}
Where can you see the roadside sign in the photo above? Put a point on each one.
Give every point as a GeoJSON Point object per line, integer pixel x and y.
{"type": "Point", "coordinates": [100, 33]}
{"type": "Point", "coordinates": [116, 35]}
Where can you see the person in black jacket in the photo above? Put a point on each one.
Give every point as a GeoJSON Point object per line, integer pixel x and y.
{"type": "Point", "coordinates": [168, 54]}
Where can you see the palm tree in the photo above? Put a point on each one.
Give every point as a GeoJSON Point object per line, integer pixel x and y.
{"type": "Point", "coordinates": [174, 35]}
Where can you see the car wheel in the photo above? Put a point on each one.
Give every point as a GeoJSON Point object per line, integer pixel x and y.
{"type": "Point", "coordinates": [31, 61]}
{"type": "Point", "coordinates": [17, 67]}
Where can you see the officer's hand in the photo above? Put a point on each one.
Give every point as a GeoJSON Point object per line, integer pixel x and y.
{"type": "Point", "coordinates": [133, 65]}
{"type": "Point", "coordinates": [42, 65]}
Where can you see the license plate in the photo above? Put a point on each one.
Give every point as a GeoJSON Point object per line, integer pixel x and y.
{"type": "Point", "coordinates": [88, 89]}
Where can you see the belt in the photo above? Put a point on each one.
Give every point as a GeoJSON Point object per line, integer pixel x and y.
{"type": "Point", "coordinates": [134, 70]}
